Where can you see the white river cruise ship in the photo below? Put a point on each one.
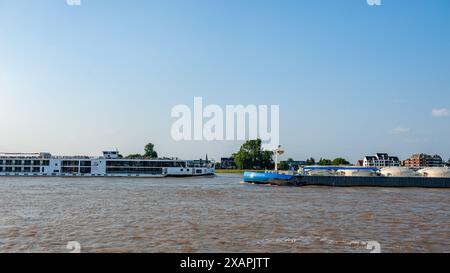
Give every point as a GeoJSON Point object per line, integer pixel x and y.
{"type": "Point", "coordinates": [111, 164]}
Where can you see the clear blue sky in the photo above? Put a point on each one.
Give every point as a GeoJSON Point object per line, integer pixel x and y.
{"type": "Point", "coordinates": [351, 79]}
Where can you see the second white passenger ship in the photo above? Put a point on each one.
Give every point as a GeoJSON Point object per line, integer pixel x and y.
{"type": "Point", "coordinates": [111, 164]}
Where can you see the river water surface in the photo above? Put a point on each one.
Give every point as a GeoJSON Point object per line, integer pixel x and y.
{"type": "Point", "coordinates": [216, 214]}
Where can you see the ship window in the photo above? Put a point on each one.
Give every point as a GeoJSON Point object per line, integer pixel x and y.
{"type": "Point", "coordinates": [69, 163]}
{"type": "Point", "coordinates": [85, 163]}
{"type": "Point", "coordinates": [84, 170]}
{"type": "Point", "coordinates": [69, 170]}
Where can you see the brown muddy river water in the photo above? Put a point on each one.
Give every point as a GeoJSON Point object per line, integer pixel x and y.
{"type": "Point", "coordinates": [216, 214]}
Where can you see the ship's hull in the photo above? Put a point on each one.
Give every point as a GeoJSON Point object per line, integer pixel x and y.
{"type": "Point", "coordinates": [268, 178]}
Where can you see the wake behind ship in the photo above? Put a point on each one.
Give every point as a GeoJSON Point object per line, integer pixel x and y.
{"type": "Point", "coordinates": [109, 165]}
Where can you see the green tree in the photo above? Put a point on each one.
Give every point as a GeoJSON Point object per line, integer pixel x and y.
{"type": "Point", "coordinates": [325, 162]}
{"type": "Point", "coordinates": [149, 151]}
{"type": "Point", "coordinates": [311, 161]}
{"type": "Point", "coordinates": [251, 156]}
{"type": "Point", "coordinates": [284, 165]}
{"type": "Point", "coordinates": [340, 161]}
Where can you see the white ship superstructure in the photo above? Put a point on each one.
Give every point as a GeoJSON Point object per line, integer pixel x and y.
{"type": "Point", "coordinates": [109, 165]}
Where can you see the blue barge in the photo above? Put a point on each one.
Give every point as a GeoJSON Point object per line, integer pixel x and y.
{"type": "Point", "coordinates": [279, 179]}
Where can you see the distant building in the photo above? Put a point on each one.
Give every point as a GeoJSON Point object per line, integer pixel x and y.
{"type": "Point", "coordinates": [359, 163]}
{"type": "Point", "coordinates": [435, 161]}
{"type": "Point", "coordinates": [423, 160]}
{"type": "Point", "coordinates": [381, 160]}
{"type": "Point", "coordinates": [227, 163]}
